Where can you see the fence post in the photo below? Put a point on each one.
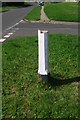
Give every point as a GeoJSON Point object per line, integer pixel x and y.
{"type": "Point", "coordinates": [43, 60]}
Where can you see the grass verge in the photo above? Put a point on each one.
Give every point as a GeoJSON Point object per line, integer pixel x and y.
{"type": "Point", "coordinates": [7, 8]}
{"type": "Point", "coordinates": [66, 11]}
{"type": "Point", "coordinates": [12, 6]}
{"type": "Point", "coordinates": [34, 14]}
{"type": "Point", "coordinates": [23, 95]}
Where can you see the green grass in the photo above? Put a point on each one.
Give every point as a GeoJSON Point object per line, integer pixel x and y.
{"type": "Point", "coordinates": [7, 8]}
{"type": "Point", "coordinates": [34, 14]}
{"type": "Point", "coordinates": [0, 9]}
{"type": "Point", "coordinates": [23, 95]}
{"type": "Point", "coordinates": [63, 11]}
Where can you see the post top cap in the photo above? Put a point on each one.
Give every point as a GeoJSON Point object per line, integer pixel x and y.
{"type": "Point", "coordinates": [44, 31]}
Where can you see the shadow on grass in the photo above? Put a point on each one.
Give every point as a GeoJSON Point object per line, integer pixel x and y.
{"type": "Point", "coordinates": [58, 81]}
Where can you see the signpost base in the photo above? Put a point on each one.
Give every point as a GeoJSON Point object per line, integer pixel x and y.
{"type": "Point", "coordinates": [44, 78]}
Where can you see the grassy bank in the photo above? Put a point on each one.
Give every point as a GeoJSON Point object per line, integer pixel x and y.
{"type": "Point", "coordinates": [13, 6]}
{"type": "Point", "coordinates": [63, 11]}
{"type": "Point", "coordinates": [7, 8]}
{"type": "Point", "coordinates": [34, 14]}
{"type": "Point", "coordinates": [24, 96]}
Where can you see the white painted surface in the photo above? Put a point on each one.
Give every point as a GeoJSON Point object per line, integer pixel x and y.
{"type": "Point", "coordinates": [6, 36]}
{"type": "Point", "coordinates": [2, 40]}
{"type": "Point", "coordinates": [10, 33]}
{"type": "Point", "coordinates": [43, 67]}
{"type": "Point", "coordinates": [14, 25]}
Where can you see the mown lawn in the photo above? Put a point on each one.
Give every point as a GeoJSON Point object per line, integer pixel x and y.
{"type": "Point", "coordinates": [0, 8]}
{"type": "Point", "coordinates": [24, 96]}
{"type": "Point", "coordinates": [34, 14]}
{"type": "Point", "coordinates": [66, 11]}
{"type": "Point", "coordinates": [9, 7]}
{"type": "Point", "coordinates": [6, 8]}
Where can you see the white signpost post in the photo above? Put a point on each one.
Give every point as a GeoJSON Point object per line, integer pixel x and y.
{"type": "Point", "coordinates": [43, 61]}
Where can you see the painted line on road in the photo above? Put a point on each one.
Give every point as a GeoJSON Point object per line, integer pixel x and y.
{"type": "Point", "coordinates": [6, 36]}
{"type": "Point", "coordinates": [2, 40]}
{"type": "Point", "coordinates": [11, 27]}
{"type": "Point", "coordinates": [14, 25]}
{"type": "Point", "coordinates": [10, 33]}
{"type": "Point", "coordinates": [20, 21]}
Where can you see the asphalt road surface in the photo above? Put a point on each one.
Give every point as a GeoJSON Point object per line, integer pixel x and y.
{"type": "Point", "coordinates": [23, 28]}
{"type": "Point", "coordinates": [28, 29]}
{"type": "Point", "coordinates": [11, 17]}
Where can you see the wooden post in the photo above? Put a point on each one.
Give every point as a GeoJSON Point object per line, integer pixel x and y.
{"type": "Point", "coordinates": [43, 65]}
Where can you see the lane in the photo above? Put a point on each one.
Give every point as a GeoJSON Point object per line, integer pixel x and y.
{"type": "Point", "coordinates": [28, 29]}
{"type": "Point", "coordinates": [12, 17]}
{"type": "Point", "coordinates": [46, 25]}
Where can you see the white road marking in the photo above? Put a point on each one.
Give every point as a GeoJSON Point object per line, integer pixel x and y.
{"type": "Point", "coordinates": [16, 28]}
{"type": "Point", "coordinates": [13, 25]}
{"type": "Point", "coordinates": [6, 36]}
{"type": "Point", "coordinates": [10, 28]}
{"type": "Point", "coordinates": [2, 40]}
{"type": "Point", "coordinates": [21, 21]}
{"type": "Point", "coordinates": [17, 23]}
{"type": "Point", "coordinates": [10, 33]}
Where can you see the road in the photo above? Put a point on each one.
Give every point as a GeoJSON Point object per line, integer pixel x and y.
{"type": "Point", "coordinates": [13, 16]}
{"type": "Point", "coordinates": [11, 23]}
{"type": "Point", "coordinates": [27, 29]}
